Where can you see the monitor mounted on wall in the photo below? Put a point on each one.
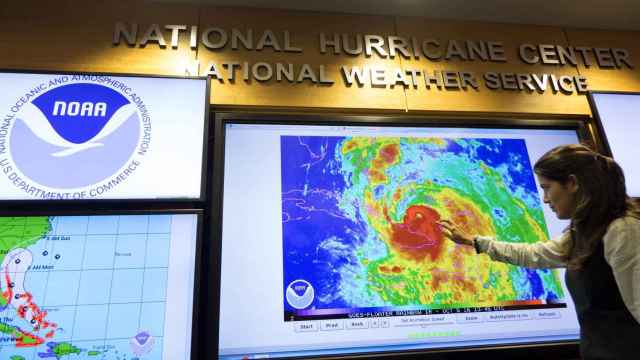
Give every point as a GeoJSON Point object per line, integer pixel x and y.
{"type": "Point", "coordinates": [109, 286]}
{"type": "Point", "coordinates": [330, 247]}
{"type": "Point", "coordinates": [617, 116]}
{"type": "Point", "coordinates": [84, 136]}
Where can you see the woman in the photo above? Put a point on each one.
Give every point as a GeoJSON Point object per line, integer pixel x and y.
{"type": "Point", "coordinates": [600, 249]}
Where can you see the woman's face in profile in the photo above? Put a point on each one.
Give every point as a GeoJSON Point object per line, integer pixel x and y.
{"type": "Point", "coordinates": [559, 196]}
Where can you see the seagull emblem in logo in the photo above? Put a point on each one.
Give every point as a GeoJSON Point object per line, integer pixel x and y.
{"type": "Point", "coordinates": [38, 123]}
{"type": "Point", "coordinates": [302, 300]}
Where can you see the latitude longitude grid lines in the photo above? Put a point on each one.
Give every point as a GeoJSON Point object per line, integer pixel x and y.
{"type": "Point", "coordinates": [49, 245]}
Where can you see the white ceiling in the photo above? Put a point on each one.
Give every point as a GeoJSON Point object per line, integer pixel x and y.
{"type": "Point", "coordinates": [600, 14]}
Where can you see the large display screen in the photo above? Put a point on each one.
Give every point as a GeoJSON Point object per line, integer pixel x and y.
{"type": "Point", "coordinates": [330, 243]}
{"type": "Point", "coordinates": [619, 117]}
{"type": "Point", "coordinates": [86, 137]}
{"type": "Point", "coordinates": [97, 287]}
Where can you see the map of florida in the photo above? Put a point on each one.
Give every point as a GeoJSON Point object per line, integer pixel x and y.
{"type": "Point", "coordinates": [33, 330]}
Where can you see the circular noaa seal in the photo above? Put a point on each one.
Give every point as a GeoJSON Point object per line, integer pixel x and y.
{"type": "Point", "coordinates": [75, 136]}
{"type": "Point", "coordinates": [300, 294]}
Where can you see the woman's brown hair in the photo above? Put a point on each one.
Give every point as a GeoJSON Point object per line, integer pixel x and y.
{"type": "Point", "coordinates": [600, 199]}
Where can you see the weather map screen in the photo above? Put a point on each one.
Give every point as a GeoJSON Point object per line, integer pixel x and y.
{"type": "Point", "coordinates": [97, 287]}
{"type": "Point", "coordinates": [618, 114]}
{"type": "Point", "coordinates": [330, 238]}
{"type": "Point", "coordinates": [86, 137]}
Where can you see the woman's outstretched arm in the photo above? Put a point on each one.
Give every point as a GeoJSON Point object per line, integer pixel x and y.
{"type": "Point", "coordinates": [545, 254]}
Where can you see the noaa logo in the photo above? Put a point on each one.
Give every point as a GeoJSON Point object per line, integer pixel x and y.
{"type": "Point", "coordinates": [300, 294]}
{"type": "Point", "coordinates": [74, 136]}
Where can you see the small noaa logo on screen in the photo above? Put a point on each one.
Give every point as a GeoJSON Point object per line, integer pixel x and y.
{"type": "Point", "coordinates": [74, 137]}
{"type": "Point", "coordinates": [300, 294]}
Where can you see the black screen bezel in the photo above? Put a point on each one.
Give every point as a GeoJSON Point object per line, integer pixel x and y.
{"type": "Point", "coordinates": [214, 254]}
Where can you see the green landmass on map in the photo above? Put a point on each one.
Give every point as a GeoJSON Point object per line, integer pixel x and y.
{"type": "Point", "coordinates": [7, 329]}
{"type": "Point", "coordinates": [23, 339]}
{"type": "Point", "coordinates": [21, 232]}
{"type": "Point", "coordinates": [64, 349]}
